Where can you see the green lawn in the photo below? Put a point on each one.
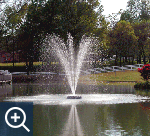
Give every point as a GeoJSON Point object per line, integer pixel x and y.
{"type": "Point", "coordinates": [120, 77]}
{"type": "Point", "coordinates": [24, 63]}
{"type": "Point", "coordinates": [19, 64]}
{"type": "Point", "coordinates": [126, 77]}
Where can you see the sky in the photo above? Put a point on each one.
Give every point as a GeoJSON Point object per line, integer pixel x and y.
{"type": "Point", "coordinates": [113, 6]}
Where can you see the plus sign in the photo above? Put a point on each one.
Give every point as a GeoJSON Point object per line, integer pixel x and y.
{"type": "Point", "coordinates": [15, 117]}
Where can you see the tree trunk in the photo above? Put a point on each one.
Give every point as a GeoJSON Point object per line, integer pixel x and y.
{"type": "Point", "coordinates": [31, 55]}
{"type": "Point", "coordinates": [13, 48]}
{"type": "Point", "coordinates": [102, 59]}
{"type": "Point", "coordinates": [126, 59]}
{"type": "Point", "coordinates": [137, 60]}
{"type": "Point", "coordinates": [120, 60]}
{"type": "Point", "coordinates": [7, 43]}
{"type": "Point", "coordinates": [27, 66]}
{"type": "Point", "coordinates": [132, 60]}
{"type": "Point", "coordinates": [144, 59]}
{"type": "Point", "coordinates": [13, 54]}
{"type": "Point", "coordinates": [140, 57]}
{"type": "Point", "coordinates": [116, 59]}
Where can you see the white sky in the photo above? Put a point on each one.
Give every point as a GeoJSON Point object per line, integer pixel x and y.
{"type": "Point", "coordinates": [113, 6]}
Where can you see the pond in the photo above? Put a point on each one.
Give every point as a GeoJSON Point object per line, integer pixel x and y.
{"type": "Point", "coordinates": [105, 110]}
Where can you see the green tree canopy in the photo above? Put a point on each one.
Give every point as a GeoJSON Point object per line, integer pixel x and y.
{"type": "Point", "coordinates": [137, 10]}
{"type": "Point", "coordinates": [60, 17]}
{"type": "Point", "coordinates": [123, 39]}
{"type": "Point", "coordinates": [63, 17]}
{"type": "Point", "coordinates": [142, 31]}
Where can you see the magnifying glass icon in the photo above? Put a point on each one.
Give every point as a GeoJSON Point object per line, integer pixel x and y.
{"type": "Point", "coordinates": [16, 126]}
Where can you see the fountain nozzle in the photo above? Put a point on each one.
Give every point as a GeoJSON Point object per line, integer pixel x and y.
{"type": "Point", "coordinates": [74, 97]}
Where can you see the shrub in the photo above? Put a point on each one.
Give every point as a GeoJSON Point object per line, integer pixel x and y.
{"type": "Point", "coordinates": [145, 71]}
{"type": "Point", "coordinates": [144, 85]}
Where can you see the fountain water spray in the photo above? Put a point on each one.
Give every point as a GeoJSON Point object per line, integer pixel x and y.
{"type": "Point", "coordinates": [70, 59]}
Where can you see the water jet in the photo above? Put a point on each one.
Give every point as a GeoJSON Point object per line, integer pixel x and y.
{"type": "Point", "coordinates": [70, 58]}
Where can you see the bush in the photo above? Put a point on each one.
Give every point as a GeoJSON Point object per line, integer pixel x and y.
{"type": "Point", "coordinates": [144, 85]}
{"type": "Point", "coordinates": [145, 71]}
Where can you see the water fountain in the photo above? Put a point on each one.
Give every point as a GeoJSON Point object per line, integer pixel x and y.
{"type": "Point", "coordinates": [72, 62]}
{"type": "Point", "coordinates": [70, 59]}
{"type": "Point", "coordinates": [100, 110]}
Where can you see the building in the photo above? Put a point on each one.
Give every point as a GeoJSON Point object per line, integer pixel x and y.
{"type": "Point", "coordinates": [8, 57]}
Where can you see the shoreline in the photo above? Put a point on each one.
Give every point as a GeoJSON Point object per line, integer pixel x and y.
{"type": "Point", "coordinates": [121, 81]}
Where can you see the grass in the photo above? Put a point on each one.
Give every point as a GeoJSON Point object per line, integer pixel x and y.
{"type": "Point", "coordinates": [112, 62]}
{"type": "Point", "coordinates": [24, 63]}
{"type": "Point", "coordinates": [111, 78]}
{"type": "Point", "coordinates": [126, 77]}
{"type": "Point", "coordinates": [20, 64]}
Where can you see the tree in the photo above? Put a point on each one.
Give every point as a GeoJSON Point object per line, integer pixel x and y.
{"type": "Point", "coordinates": [113, 18]}
{"type": "Point", "coordinates": [79, 18]}
{"type": "Point", "coordinates": [126, 15]}
{"type": "Point", "coordinates": [123, 40]}
{"type": "Point", "coordinates": [59, 17]}
{"type": "Point", "coordinates": [1, 36]}
{"type": "Point", "coordinates": [145, 10]}
{"type": "Point", "coordinates": [14, 16]}
{"type": "Point", "coordinates": [136, 11]}
{"type": "Point", "coordinates": [133, 7]}
{"type": "Point", "coordinates": [13, 19]}
{"type": "Point", "coordinates": [63, 17]}
{"type": "Point", "coordinates": [101, 34]}
{"type": "Point", "coordinates": [142, 30]}
{"type": "Point", "coordinates": [31, 22]}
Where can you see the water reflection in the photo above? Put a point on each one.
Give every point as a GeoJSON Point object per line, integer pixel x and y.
{"type": "Point", "coordinates": [55, 94]}
{"type": "Point", "coordinates": [73, 126]}
{"type": "Point", "coordinates": [5, 91]}
{"type": "Point", "coordinates": [57, 121]}
{"type": "Point", "coordinates": [91, 120]}
{"type": "Point", "coordinates": [34, 89]}
{"type": "Point", "coordinates": [143, 92]}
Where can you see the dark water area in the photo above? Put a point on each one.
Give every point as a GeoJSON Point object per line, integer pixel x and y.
{"type": "Point", "coordinates": [116, 113]}
{"type": "Point", "coordinates": [91, 120]}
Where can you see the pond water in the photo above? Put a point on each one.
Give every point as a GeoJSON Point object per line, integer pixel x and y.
{"type": "Point", "coordinates": [106, 110]}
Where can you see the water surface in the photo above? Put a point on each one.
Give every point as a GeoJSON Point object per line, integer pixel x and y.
{"type": "Point", "coordinates": [102, 111]}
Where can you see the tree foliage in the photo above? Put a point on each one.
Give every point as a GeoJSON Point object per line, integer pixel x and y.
{"type": "Point", "coordinates": [141, 30]}
{"type": "Point", "coordinates": [27, 24]}
{"type": "Point", "coordinates": [137, 10]}
{"type": "Point", "coordinates": [123, 39]}
{"type": "Point", "coordinates": [59, 17]}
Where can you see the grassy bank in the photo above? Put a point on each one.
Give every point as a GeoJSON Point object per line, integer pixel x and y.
{"type": "Point", "coordinates": [19, 64]}
{"type": "Point", "coordinates": [114, 78]}
{"type": "Point", "coordinates": [111, 78]}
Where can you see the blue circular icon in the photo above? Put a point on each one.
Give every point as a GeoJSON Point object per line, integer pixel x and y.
{"type": "Point", "coordinates": [15, 117]}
